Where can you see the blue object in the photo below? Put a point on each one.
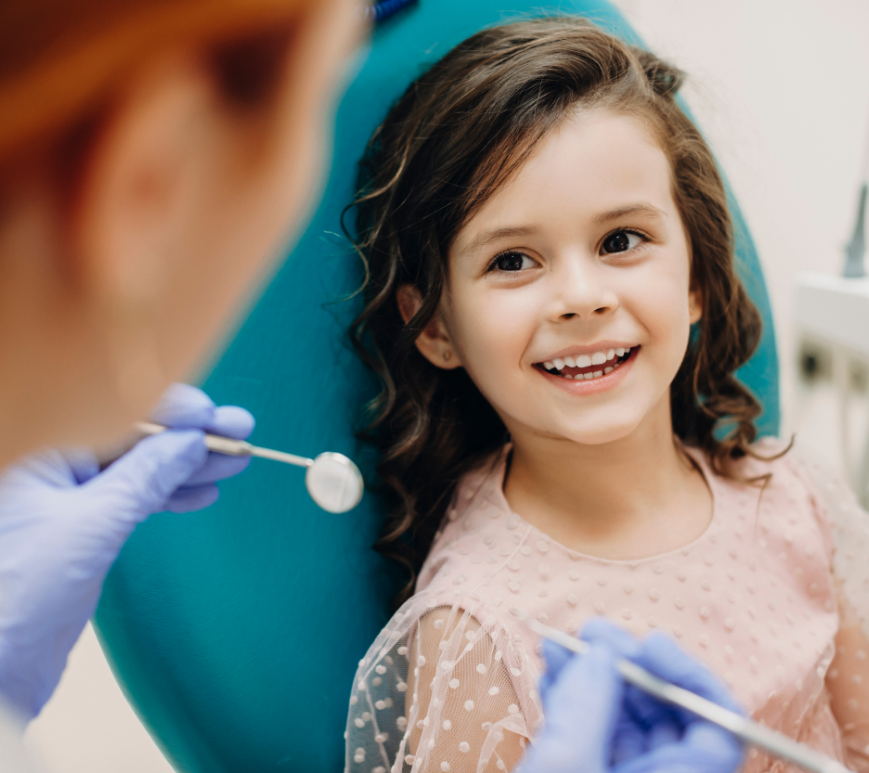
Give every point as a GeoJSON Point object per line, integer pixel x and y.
{"type": "Point", "coordinates": [625, 730]}
{"type": "Point", "coordinates": [380, 12]}
{"type": "Point", "coordinates": [63, 522]}
{"type": "Point", "coordinates": [236, 632]}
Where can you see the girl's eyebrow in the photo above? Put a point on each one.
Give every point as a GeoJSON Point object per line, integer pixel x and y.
{"type": "Point", "coordinates": [641, 208]}
{"type": "Point", "coordinates": [500, 233]}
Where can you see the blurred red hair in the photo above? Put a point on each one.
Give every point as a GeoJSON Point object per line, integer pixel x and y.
{"type": "Point", "coordinates": [61, 60]}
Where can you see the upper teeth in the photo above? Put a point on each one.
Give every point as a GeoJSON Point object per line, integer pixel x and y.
{"type": "Point", "coordinates": [585, 360]}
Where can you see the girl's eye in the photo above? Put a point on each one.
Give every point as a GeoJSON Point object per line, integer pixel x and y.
{"type": "Point", "coordinates": [621, 241]}
{"type": "Point", "coordinates": [511, 261]}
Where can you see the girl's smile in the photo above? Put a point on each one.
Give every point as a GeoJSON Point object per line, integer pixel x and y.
{"type": "Point", "coordinates": [588, 374]}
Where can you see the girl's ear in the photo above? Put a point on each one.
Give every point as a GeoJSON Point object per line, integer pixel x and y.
{"type": "Point", "coordinates": [434, 342]}
{"type": "Point", "coordinates": [695, 305]}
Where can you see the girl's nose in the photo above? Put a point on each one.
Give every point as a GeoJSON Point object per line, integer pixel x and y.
{"type": "Point", "coordinates": [584, 291]}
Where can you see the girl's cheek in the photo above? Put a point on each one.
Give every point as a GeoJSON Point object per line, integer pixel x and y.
{"type": "Point", "coordinates": [659, 298]}
{"type": "Point", "coordinates": [495, 318]}
{"type": "Point", "coordinates": [497, 340]}
{"type": "Point", "coordinates": [490, 343]}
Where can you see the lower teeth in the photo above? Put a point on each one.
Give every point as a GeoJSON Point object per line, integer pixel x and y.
{"type": "Point", "coordinates": [594, 374]}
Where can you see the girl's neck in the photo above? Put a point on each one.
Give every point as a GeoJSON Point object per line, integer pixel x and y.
{"type": "Point", "coordinates": [634, 497]}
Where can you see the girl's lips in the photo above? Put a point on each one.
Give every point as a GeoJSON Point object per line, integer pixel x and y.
{"type": "Point", "coordinates": [593, 386]}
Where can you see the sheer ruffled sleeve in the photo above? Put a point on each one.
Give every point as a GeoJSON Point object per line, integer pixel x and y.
{"type": "Point", "coordinates": [445, 687]}
{"type": "Point", "coordinates": [846, 525]}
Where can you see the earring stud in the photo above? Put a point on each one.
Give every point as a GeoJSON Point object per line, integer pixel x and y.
{"type": "Point", "coordinates": [446, 356]}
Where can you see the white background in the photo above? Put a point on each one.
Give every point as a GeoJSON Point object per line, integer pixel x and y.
{"type": "Point", "coordinates": [781, 89]}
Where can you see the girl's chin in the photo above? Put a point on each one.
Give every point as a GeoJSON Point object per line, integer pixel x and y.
{"type": "Point", "coordinates": [603, 434]}
{"type": "Point", "coordinates": [617, 426]}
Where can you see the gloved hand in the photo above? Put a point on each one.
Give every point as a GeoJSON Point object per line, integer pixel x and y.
{"type": "Point", "coordinates": [63, 523]}
{"type": "Point", "coordinates": [597, 723]}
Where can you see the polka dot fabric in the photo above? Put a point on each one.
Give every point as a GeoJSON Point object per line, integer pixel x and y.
{"type": "Point", "coordinates": [449, 685]}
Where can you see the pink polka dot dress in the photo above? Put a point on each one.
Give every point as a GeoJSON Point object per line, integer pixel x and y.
{"type": "Point", "coordinates": [760, 597]}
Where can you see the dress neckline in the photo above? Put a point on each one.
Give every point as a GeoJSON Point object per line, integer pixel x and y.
{"type": "Point", "coordinates": [498, 499]}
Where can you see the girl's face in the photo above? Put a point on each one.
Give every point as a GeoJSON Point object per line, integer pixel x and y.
{"type": "Point", "coordinates": [569, 297]}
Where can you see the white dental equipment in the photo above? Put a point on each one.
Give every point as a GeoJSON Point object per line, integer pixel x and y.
{"type": "Point", "coordinates": [747, 730]}
{"type": "Point", "coordinates": [333, 481]}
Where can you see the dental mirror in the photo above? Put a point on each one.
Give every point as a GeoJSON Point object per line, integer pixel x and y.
{"type": "Point", "coordinates": [333, 481]}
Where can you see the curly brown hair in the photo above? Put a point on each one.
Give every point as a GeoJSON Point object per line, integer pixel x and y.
{"type": "Point", "coordinates": [451, 141]}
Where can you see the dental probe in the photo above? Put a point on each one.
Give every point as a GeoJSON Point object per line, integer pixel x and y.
{"type": "Point", "coordinates": [230, 447]}
{"type": "Point", "coordinates": [747, 730]}
{"type": "Point", "coordinates": [333, 481]}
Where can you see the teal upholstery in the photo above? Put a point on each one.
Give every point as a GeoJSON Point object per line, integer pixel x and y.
{"type": "Point", "coordinates": [235, 632]}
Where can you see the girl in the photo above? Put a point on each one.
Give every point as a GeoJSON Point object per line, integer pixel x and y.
{"type": "Point", "coordinates": [554, 311]}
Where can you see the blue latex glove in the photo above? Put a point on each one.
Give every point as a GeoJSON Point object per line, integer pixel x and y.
{"type": "Point", "coordinates": [63, 523]}
{"type": "Point", "coordinates": [596, 723]}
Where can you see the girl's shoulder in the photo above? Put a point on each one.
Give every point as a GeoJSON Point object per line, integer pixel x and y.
{"type": "Point", "coordinates": [792, 488]}
{"type": "Point", "coordinates": [775, 470]}
{"type": "Point", "coordinates": [790, 472]}
{"type": "Point", "coordinates": [768, 499]}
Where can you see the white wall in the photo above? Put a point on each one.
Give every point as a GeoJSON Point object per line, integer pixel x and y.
{"type": "Point", "coordinates": [782, 91]}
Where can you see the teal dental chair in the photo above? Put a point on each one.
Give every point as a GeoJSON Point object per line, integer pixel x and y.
{"type": "Point", "coordinates": [235, 632]}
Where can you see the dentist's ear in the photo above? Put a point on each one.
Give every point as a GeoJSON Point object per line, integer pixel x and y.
{"type": "Point", "coordinates": [434, 341]}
